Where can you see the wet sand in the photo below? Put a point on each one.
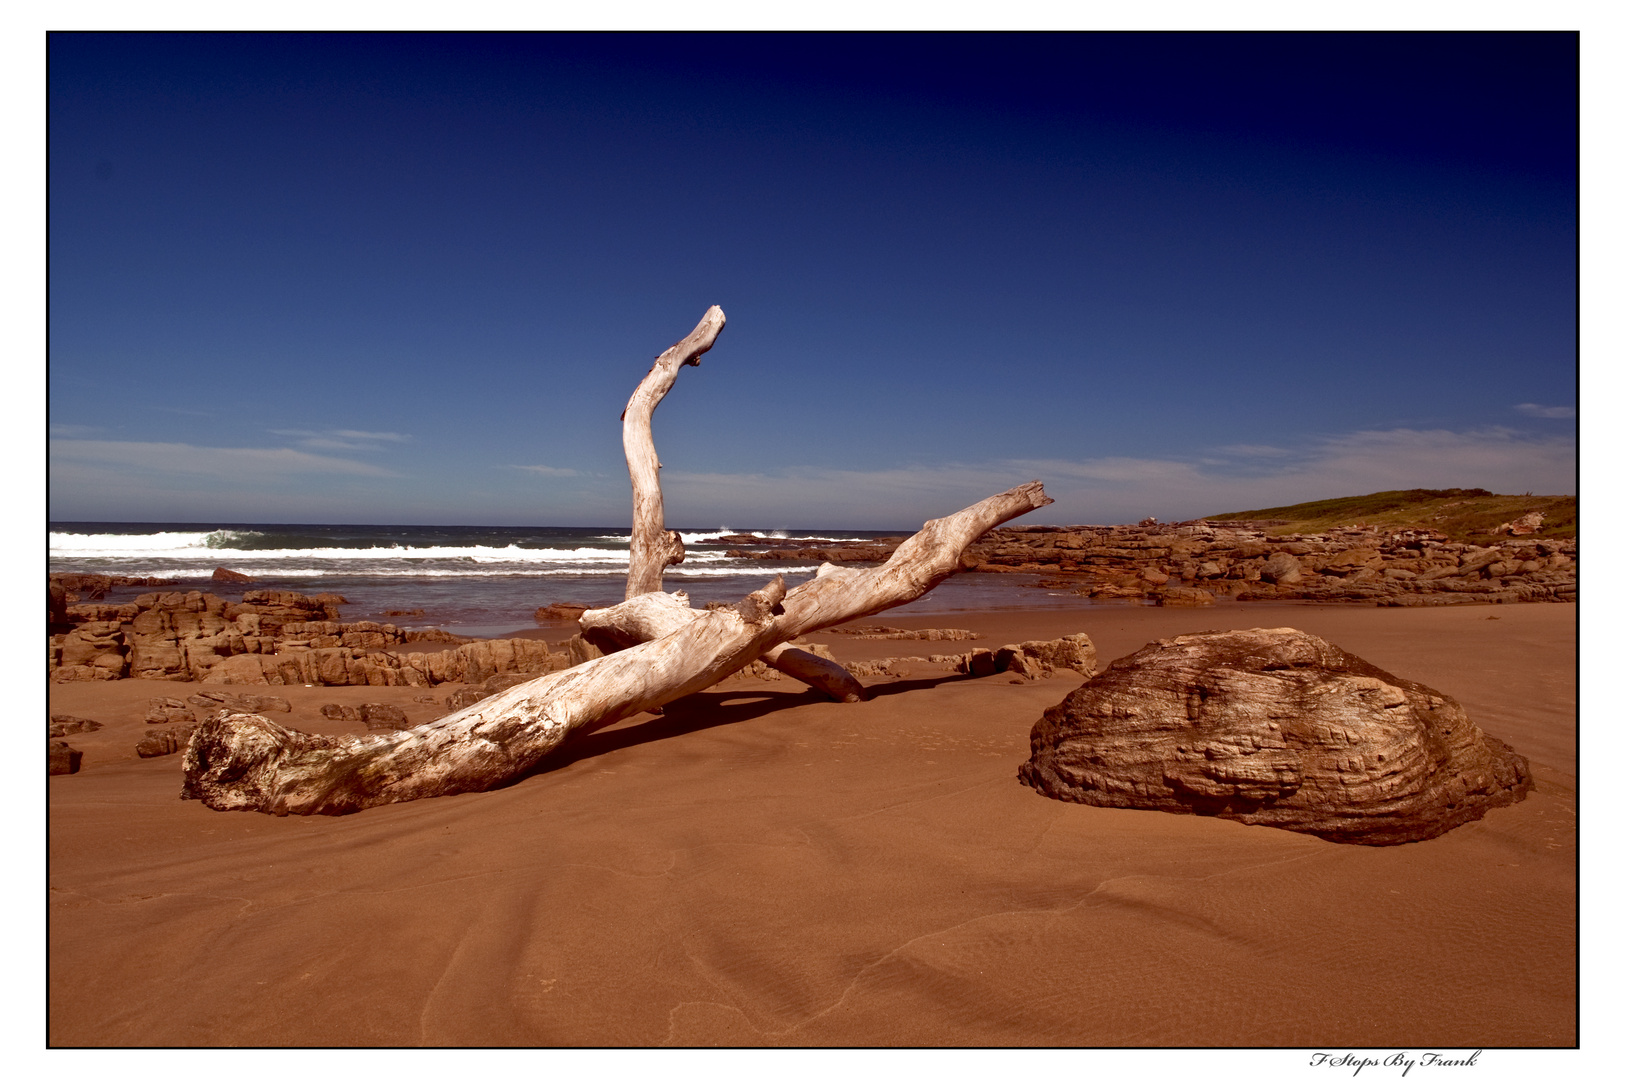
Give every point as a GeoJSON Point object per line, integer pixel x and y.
{"type": "Point", "coordinates": [756, 868]}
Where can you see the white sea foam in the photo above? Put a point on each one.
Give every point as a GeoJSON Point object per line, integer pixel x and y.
{"type": "Point", "coordinates": [189, 574]}
{"type": "Point", "coordinates": [113, 545]}
{"type": "Point", "coordinates": [775, 534]}
{"type": "Point", "coordinates": [96, 548]}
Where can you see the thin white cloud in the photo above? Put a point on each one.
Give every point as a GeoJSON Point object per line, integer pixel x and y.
{"type": "Point", "coordinates": [341, 439]}
{"type": "Point", "coordinates": [1118, 489]}
{"type": "Point", "coordinates": [226, 462]}
{"type": "Point", "coordinates": [547, 470]}
{"type": "Point", "coordinates": [1250, 450]}
{"type": "Point", "coordinates": [1547, 412]}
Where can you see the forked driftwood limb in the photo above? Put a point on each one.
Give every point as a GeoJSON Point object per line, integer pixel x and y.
{"type": "Point", "coordinates": [246, 762]}
{"type": "Point", "coordinates": [654, 547]}
{"type": "Point", "coordinates": [659, 650]}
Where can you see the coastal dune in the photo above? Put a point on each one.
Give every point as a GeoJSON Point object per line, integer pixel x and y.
{"type": "Point", "coordinates": [757, 867]}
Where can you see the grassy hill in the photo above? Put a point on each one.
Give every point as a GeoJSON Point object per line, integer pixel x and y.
{"type": "Point", "coordinates": [1463, 514]}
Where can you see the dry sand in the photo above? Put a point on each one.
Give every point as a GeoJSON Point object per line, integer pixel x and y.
{"type": "Point", "coordinates": [757, 868]}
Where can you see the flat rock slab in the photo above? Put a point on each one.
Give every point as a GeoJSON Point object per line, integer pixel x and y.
{"type": "Point", "coordinates": [1273, 727]}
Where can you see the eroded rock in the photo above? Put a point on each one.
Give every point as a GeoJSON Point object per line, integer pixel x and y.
{"type": "Point", "coordinates": [165, 740]}
{"type": "Point", "coordinates": [61, 759]}
{"type": "Point", "coordinates": [1273, 727]}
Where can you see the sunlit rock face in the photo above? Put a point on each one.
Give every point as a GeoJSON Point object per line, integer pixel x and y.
{"type": "Point", "coordinates": [1273, 727]}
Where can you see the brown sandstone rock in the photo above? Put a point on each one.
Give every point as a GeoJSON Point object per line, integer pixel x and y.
{"type": "Point", "coordinates": [464, 697]}
{"type": "Point", "coordinates": [1281, 569]}
{"type": "Point", "coordinates": [1273, 727]}
{"type": "Point", "coordinates": [563, 611]}
{"type": "Point", "coordinates": [232, 576]}
{"type": "Point", "coordinates": [168, 710]}
{"type": "Point", "coordinates": [380, 717]}
{"type": "Point", "coordinates": [61, 759]}
{"type": "Point", "coordinates": [62, 724]}
{"type": "Point", "coordinates": [165, 740]}
{"type": "Point", "coordinates": [1032, 659]}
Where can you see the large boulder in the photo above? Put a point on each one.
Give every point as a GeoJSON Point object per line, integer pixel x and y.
{"type": "Point", "coordinates": [1273, 727]}
{"type": "Point", "coordinates": [1281, 569]}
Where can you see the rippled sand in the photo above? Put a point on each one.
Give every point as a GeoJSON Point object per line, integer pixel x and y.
{"type": "Point", "coordinates": [757, 868]}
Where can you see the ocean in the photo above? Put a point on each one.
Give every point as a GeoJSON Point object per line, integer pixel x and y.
{"type": "Point", "coordinates": [474, 580]}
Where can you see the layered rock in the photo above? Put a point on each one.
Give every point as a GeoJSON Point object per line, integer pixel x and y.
{"type": "Point", "coordinates": [166, 740]}
{"type": "Point", "coordinates": [867, 632]}
{"type": "Point", "coordinates": [1273, 727]}
{"type": "Point", "coordinates": [1033, 659]}
{"type": "Point", "coordinates": [1174, 564]}
{"type": "Point", "coordinates": [272, 638]}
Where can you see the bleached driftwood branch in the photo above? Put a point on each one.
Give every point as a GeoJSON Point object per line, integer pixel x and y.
{"type": "Point", "coordinates": [654, 615]}
{"type": "Point", "coordinates": [246, 762]}
{"type": "Point", "coordinates": [654, 547]}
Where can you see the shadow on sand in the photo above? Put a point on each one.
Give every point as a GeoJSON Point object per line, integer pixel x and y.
{"type": "Point", "coordinates": [701, 711]}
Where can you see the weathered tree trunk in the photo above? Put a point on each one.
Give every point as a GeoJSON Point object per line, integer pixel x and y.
{"type": "Point", "coordinates": [246, 762]}
{"type": "Point", "coordinates": [654, 548]}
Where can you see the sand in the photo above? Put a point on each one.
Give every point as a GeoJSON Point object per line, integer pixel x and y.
{"type": "Point", "coordinates": [756, 868]}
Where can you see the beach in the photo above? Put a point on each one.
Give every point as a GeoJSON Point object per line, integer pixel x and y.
{"type": "Point", "coordinates": [756, 867]}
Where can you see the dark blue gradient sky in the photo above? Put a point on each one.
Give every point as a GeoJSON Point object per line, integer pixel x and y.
{"type": "Point", "coordinates": [413, 278]}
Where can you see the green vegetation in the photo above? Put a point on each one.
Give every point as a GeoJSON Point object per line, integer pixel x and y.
{"type": "Point", "coordinates": [1463, 514]}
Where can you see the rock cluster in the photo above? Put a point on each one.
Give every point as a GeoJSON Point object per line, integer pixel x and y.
{"type": "Point", "coordinates": [1273, 727]}
{"type": "Point", "coordinates": [166, 740]}
{"type": "Point", "coordinates": [1030, 659]}
{"type": "Point", "coordinates": [1033, 659]}
{"type": "Point", "coordinates": [269, 638]}
{"type": "Point", "coordinates": [1192, 564]}
{"type": "Point", "coordinates": [893, 633]}
{"type": "Point", "coordinates": [60, 758]}
{"type": "Point", "coordinates": [376, 715]}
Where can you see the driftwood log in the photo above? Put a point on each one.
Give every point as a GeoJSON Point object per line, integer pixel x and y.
{"type": "Point", "coordinates": [659, 650]}
{"type": "Point", "coordinates": [246, 762]}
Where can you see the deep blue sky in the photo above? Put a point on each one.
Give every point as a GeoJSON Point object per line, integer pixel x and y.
{"type": "Point", "coordinates": [413, 278]}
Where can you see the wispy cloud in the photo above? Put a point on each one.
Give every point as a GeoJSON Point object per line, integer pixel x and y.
{"type": "Point", "coordinates": [546, 470]}
{"type": "Point", "coordinates": [73, 431]}
{"type": "Point", "coordinates": [226, 462]}
{"type": "Point", "coordinates": [341, 438]}
{"type": "Point", "coordinates": [1547, 412]}
{"type": "Point", "coordinates": [1117, 489]}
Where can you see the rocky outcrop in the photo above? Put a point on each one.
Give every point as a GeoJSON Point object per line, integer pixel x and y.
{"type": "Point", "coordinates": [78, 587]}
{"type": "Point", "coordinates": [1273, 727]}
{"type": "Point", "coordinates": [230, 577]}
{"type": "Point", "coordinates": [893, 633]}
{"type": "Point", "coordinates": [563, 611]}
{"type": "Point", "coordinates": [1161, 564]}
{"type": "Point", "coordinates": [269, 638]}
{"type": "Point", "coordinates": [347, 666]}
{"type": "Point", "coordinates": [61, 724]}
{"type": "Point", "coordinates": [378, 716]}
{"type": "Point", "coordinates": [1033, 659]}
{"type": "Point", "coordinates": [1523, 526]}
